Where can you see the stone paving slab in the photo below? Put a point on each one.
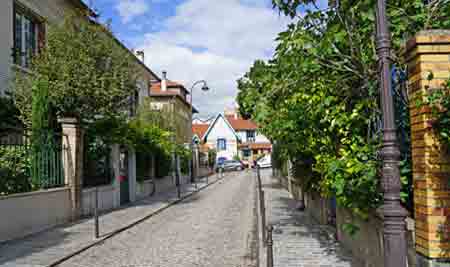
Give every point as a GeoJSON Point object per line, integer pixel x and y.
{"type": "Point", "coordinates": [298, 241]}
{"type": "Point", "coordinates": [43, 249]}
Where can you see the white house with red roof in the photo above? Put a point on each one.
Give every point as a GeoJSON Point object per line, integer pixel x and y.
{"type": "Point", "coordinates": [231, 136]}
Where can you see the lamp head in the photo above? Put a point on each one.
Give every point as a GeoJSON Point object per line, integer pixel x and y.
{"type": "Point", "coordinates": [205, 88]}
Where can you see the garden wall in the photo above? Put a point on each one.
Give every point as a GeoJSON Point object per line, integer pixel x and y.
{"type": "Point", "coordinates": [28, 213]}
{"type": "Point", "coordinates": [108, 199]}
{"type": "Point", "coordinates": [143, 189]}
{"type": "Point", "coordinates": [204, 171]}
{"type": "Point", "coordinates": [317, 207]}
{"type": "Point", "coordinates": [366, 244]}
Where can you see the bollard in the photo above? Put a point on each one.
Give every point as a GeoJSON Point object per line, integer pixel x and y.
{"type": "Point", "coordinates": [258, 172]}
{"type": "Point", "coordinates": [97, 232]}
{"type": "Point", "coordinates": [259, 187]}
{"type": "Point", "coordinates": [269, 246]}
{"type": "Point", "coordinates": [178, 188]}
{"type": "Point", "coordinates": [263, 217]}
{"type": "Point", "coordinates": [258, 176]}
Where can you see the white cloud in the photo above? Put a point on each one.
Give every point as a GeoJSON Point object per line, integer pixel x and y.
{"type": "Point", "coordinates": [213, 40]}
{"type": "Point", "coordinates": [129, 9]}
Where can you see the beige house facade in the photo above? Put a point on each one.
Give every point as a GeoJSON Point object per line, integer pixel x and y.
{"type": "Point", "coordinates": [23, 24]}
{"type": "Point", "coordinates": [173, 98]}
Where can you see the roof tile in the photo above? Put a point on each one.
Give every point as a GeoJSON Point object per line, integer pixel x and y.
{"type": "Point", "coordinates": [241, 124]}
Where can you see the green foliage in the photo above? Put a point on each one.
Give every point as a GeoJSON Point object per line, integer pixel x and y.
{"type": "Point", "coordinates": [318, 96]}
{"type": "Point", "coordinates": [15, 167]}
{"type": "Point", "coordinates": [439, 99]}
{"type": "Point", "coordinates": [89, 74]}
{"type": "Point", "coordinates": [163, 164]}
{"type": "Point", "coordinates": [185, 156]}
{"type": "Point", "coordinates": [141, 135]}
{"type": "Point", "coordinates": [97, 161]}
{"type": "Point", "coordinates": [9, 116]}
{"type": "Point", "coordinates": [350, 228]}
{"type": "Point", "coordinates": [40, 107]}
{"type": "Point", "coordinates": [212, 154]}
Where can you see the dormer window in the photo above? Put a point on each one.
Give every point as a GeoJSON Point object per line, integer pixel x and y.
{"type": "Point", "coordinates": [28, 36]}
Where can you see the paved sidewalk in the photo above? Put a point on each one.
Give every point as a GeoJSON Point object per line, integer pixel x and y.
{"type": "Point", "coordinates": [297, 240]}
{"type": "Point", "coordinates": [45, 248]}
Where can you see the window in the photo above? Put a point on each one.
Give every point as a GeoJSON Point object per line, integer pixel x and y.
{"type": "Point", "coordinates": [251, 136]}
{"type": "Point", "coordinates": [246, 153]}
{"type": "Point", "coordinates": [134, 102]}
{"type": "Point", "coordinates": [221, 144]}
{"type": "Point", "coordinates": [28, 36]}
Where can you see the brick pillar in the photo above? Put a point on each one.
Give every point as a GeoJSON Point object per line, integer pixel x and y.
{"type": "Point", "coordinates": [73, 161]}
{"type": "Point", "coordinates": [429, 51]}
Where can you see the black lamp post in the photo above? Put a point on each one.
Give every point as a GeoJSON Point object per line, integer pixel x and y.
{"type": "Point", "coordinates": [204, 88]}
{"type": "Point", "coordinates": [394, 214]}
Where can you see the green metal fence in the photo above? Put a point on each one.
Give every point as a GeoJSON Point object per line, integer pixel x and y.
{"type": "Point", "coordinates": [27, 167]}
{"type": "Point", "coordinates": [46, 158]}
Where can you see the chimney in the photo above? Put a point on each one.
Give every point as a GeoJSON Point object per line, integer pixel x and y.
{"type": "Point", "coordinates": [164, 81]}
{"type": "Point", "coordinates": [140, 54]}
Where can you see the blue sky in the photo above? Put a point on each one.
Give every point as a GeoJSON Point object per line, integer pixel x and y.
{"type": "Point", "coordinates": [215, 40]}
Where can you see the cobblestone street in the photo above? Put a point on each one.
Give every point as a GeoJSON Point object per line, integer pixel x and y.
{"type": "Point", "coordinates": [211, 228]}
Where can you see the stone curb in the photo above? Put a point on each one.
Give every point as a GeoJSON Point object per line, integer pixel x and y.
{"type": "Point", "coordinates": [124, 228]}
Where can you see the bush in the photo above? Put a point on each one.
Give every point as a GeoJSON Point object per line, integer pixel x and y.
{"type": "Point", "coordinates": [15, 166]}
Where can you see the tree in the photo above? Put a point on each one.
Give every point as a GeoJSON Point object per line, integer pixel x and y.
{"type": "Point", "coordinates": [318, 96]}
{"type": "Point", "coordinates": [89, 74]}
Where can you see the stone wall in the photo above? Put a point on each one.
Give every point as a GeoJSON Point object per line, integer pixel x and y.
{"type": "Point", "coordinates": [366, 244]}
{"type": "Point", "coordinates": [317, 207]}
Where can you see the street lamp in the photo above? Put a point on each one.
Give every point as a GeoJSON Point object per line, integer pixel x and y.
{"type": "Point", "coordinates": [204, 88]}
{"type": "Point", "coordinates": [392, 211]}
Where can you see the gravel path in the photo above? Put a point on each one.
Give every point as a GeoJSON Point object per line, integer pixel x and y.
{"type": "Point", "coordinates": [213, 228]}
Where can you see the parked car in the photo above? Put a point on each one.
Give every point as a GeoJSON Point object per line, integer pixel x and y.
{"type": "Point", "coordinates": [230, 165]}
{"type": "Point", "coordinates": [265, 162]}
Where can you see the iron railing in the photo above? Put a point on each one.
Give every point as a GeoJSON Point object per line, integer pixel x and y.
{"type": "Point", "coordinates": [26, 166]}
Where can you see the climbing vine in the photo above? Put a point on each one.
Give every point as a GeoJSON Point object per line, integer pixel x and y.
{"type": "Point", "coordinates": [439, 100]}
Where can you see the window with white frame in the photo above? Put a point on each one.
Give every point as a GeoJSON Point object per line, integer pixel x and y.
{"type": "Point", "coordinates": [28, 33]}
{"type": "Point", "coordinates": [251, 136]}
{"type": "Point", "coordinates": [221, 144]}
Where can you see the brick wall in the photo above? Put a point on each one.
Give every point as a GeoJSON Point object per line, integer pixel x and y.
{"type": "Point", "coordinates": [429, 52]}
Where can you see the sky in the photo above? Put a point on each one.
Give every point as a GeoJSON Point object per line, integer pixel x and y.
{"type": "Point", "coordinates": [212, 40]}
